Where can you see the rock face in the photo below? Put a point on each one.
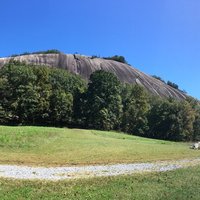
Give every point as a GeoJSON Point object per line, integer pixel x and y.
{"type": "Point", "coordinates": [84, 66]}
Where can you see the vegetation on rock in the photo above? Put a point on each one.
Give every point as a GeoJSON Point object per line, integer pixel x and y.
{"type": "Point", "coordinates": [54, 51]}
{"type": "Point", "coordinates": [171, 84]}
{"type": "Point", "coordinates": [174, 85]}
{"type": "Point", "coordinates": [159, 78]}
{"type": "Point", "coordinates": [117, 58]}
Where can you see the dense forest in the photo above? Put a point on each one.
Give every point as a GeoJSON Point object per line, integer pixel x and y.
{"type": "Point", "coordinates": [39, 95]}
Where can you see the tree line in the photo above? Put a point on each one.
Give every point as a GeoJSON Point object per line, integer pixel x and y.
{"type": "Point", "coordinates": [116, 58]}
{"type": "Point", "coordinates": [39, 95]}
{"type": "Point", "coordinates": [50, 51]}
{"type": "Point", "coordinates": [174, 85]}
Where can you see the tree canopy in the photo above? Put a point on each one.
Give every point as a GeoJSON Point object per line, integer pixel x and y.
{"type": "Point", "coordinates": [50, 51]}
{"type": "Point", "coordinates": [33, 94]}
{"type": "Point", "coordinates": [38, 95]}
{"type": "Point", "coordinates": [117, 58]}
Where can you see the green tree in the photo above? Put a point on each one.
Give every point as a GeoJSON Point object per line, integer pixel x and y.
{"type": "Point", "coordinates": [174, 85]}
{"type": "Point", "coordinates": [14, 76]}
{"type": "Point", "coordinates": [69, 88]}
{"type": "Point", "coordinates": [27, 104]}
{"type": "Point", "coordinates": [37, 94]}
{"type": "Point", "coordinates": [135, 109]}
{"type": "Point", "coordinates": [80, 110]}
{"type": "Point", "coordinates": [61, 104]}
{"type": "Point", "coordinates": [159, 78]}
{"type": "Point", "coordinates": [195, 104]}
{"type": "Point", "coordinates": [117, 58]}
{"type": "Point", "coordinates": [104, 107]}
{"type": "Point", "coordinates": [5, 114]}
{"type": "Point", "coordinates": [63, 80]}
{"type": "Point", "coordinates": [44, 91]}
{"type": "Point", "coordinates": [171, 120]}
{"type": "Point", "coordinates": [196, 126]}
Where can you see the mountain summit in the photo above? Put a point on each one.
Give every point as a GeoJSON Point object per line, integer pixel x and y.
{"type": "Point", "coordinates": [84, 66]}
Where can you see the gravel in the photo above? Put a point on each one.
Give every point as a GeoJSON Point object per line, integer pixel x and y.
{"type": "Point", "coordinates": [61, 173]}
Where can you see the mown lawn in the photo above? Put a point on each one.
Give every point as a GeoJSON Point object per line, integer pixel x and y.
{"type": "Point", "coordinates": [182, 184]}
{"type": "Point", "coordinates": [61, 146]}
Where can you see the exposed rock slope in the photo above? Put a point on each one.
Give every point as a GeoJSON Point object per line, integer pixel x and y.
{"type": "Point", "coordinates": [86, 65]}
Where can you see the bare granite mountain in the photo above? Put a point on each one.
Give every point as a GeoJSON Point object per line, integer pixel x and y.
{"type": "Point", "coordinates": [84, 66]}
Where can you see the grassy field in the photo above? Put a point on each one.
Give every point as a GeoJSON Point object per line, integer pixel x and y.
{"type": "Point", "coordinates": [182, 184]}
{"type": "Point", "coordinates": [59, 146]}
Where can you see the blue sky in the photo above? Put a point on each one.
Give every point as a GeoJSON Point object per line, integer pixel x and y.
{"type": "Point", "coordinates": [160, 37]}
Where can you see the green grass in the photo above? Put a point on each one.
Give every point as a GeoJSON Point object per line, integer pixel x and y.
{"type": "Point", "coordinates": [182, 184]}
{"type": "Point", "coordinates": [60, 146]}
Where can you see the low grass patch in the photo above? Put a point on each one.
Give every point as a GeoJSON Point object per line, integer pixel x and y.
{"type": "Point", "coordinates": [61, 146]}
{"type": "Point", "coordinates": [183, 184]}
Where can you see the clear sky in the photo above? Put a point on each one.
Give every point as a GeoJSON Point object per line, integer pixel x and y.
{"type": "Point", "coordinates": [159, 37]}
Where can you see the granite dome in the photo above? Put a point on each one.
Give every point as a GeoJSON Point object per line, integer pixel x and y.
{"type": "Point", "coordinates": [84, 66]}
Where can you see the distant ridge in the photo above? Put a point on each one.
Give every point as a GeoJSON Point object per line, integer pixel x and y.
{"type": "Point", "coordinates": [84, 66]}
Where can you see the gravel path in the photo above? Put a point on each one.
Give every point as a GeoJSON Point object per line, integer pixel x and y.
{"type": "Point", "coordinates": [60, 173]}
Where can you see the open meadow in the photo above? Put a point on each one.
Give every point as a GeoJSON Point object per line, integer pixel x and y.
{"type": "Point", "coordinates": [43, 146]}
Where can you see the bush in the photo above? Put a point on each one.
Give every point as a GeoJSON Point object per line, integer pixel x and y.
{"type": "Point", "coordinates": [117, 58]}
{"type": "Point", "coordinates": [50, 51]}
{"type": "Point", "coordinates": [174, 85]}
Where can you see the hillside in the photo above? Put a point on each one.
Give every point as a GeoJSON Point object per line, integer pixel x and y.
{"type": "Point", "coordinates": [43, 146]}
{"type": "Point", "coordinates": [84, 66]}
